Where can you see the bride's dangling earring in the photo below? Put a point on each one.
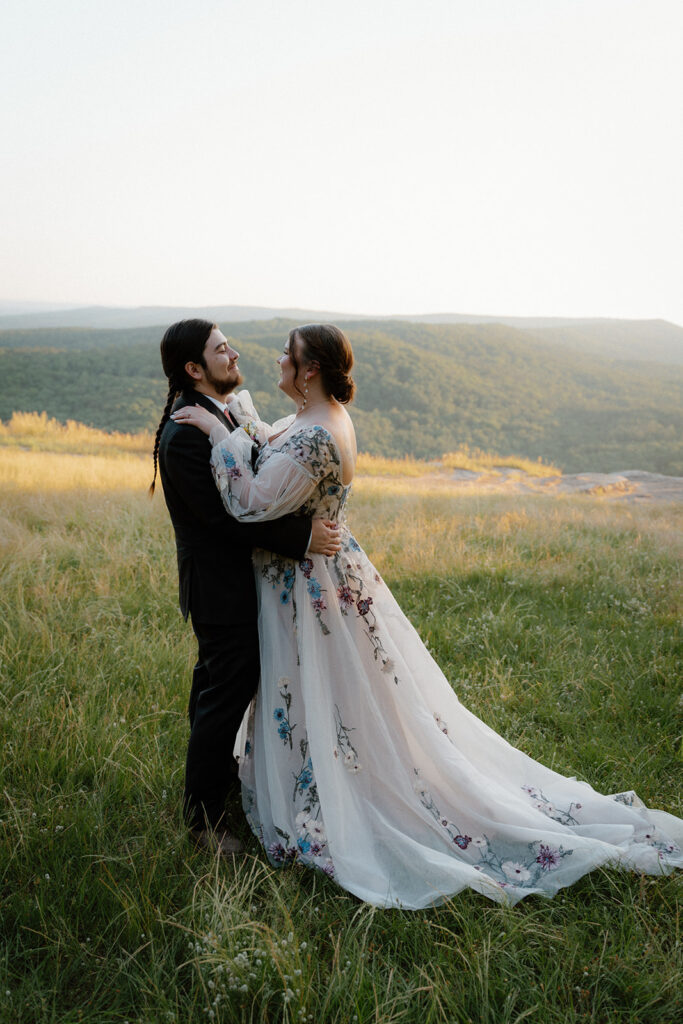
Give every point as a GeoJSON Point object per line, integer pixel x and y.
{"type": "Point", "coordinates": [305, 392]}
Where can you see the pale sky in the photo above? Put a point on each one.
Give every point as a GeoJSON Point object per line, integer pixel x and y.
{"type": "Point", "coordinates": [518, 157]}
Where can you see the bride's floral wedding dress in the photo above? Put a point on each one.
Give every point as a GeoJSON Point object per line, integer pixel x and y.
{"type": "Point", "coordinates": [359, 759]}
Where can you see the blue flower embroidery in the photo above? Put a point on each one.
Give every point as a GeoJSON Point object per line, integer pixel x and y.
{"type": "Point", "coordinates": [305, 776]}
{"type": "Point", "coordinates": [279, 714]}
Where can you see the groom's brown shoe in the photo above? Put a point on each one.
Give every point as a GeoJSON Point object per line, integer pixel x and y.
{"type": "Point", "coordinates": [220, 842]}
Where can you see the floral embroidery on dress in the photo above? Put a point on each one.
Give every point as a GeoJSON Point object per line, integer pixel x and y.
{"type": "Point", "coordinates": [536, 857]}
{"type": "Point", "coordinates": [227, 469]}
{"type": "Point", "coordinates": [279, 572]}
{"type": "Point", "coordinates": [315, 592]}
{"type": "Point", "coordinates": [345, 748]}
{"type": "Point", "coordinates": [546, 806]}
{"type": "Point", "coordinates": [352, 594]}
{"type": "Point", "coordinates": [310, 846]}
{"type": "Point", "coordinates": [281, 715]}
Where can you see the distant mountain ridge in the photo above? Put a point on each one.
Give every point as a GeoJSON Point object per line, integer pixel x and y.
{"type": "Point", "coordinates": [643, 340]}
{"type": "Point", "coordinates": [423, 389]}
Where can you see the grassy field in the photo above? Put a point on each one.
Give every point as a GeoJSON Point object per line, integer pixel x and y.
{"type": "Point", "coordinates": [557, 622]}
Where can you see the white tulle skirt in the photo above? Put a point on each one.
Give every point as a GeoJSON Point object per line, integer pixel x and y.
{"type": "Point", "coordinates": [358, 759]}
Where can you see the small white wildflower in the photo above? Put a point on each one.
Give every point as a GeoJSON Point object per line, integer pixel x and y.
{"type": "Point", "coordinates": [47, 877]}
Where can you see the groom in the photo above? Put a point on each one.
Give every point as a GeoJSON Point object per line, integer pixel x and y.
{"type": "Point", "coordinates": [215, 571]}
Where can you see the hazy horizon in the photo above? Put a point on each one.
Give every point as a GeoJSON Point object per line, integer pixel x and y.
{"type": "Point", "coordinates": [10, 308]}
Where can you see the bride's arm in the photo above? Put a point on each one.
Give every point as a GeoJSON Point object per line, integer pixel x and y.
{"type": "Point", "coordinates": [282, 484]}
{"type": "Point", "coordinates": [284, 481]}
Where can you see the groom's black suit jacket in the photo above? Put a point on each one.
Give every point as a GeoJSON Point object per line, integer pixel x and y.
{"type": "Point", "coordinates": [214, 550]}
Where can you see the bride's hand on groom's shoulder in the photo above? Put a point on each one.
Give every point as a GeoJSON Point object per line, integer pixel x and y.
{"type": "Point", "coordinates": [195, 416]}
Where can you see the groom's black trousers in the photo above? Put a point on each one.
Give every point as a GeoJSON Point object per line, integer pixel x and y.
{"type": "Point", "coordinates": [224, 681]}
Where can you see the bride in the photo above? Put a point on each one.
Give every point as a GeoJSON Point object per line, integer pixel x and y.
{"type": "Point", "coordinates": [359, 759]}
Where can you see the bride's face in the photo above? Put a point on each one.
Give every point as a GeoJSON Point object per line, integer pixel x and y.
{"type": "Point", "coordinates": [288, 370]}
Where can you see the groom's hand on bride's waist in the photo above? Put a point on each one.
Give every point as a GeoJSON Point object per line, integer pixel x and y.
{"type": "Point", "coordinates": [324, 537]}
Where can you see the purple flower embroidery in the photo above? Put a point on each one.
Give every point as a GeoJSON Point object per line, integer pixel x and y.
{"type": "Point", "coordinates": [234, 472]}
{"type": "Point", "coordinates": [277, 852]}
{"type": "Point", "coordinates": [306, 566]}
{"type": "Point", "coordinates": [319, 604]}
{"type": "Point", "coordinates": [363, 605]}
{"type": "Point", "coordinates": [345, 596]}
{"type": "Point", "coordinates": [462, 841]}
{"type": "Point", "coordinates": [548, 858]}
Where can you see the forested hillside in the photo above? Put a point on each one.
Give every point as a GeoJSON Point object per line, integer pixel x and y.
{"type": "Point", "coordinates": [423, 389]}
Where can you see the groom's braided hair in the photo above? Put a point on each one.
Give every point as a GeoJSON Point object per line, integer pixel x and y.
{"type": "Point", "coordinates": [182, 343]}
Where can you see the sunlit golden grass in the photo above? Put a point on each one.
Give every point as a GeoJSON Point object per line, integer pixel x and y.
{"type": "Point", "coordinates": [482, 462]}
{"type": "Point", "coordinates": [429, 526]}
{"type": "Point", "coordinates": [376, 465]}
{"type": "Point", "coordinates": [45, 471]}
{"type": "Point", "coordinates": [38, 431]}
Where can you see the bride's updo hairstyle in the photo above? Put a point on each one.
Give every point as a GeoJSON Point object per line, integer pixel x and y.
{"type": "Point", "coordinates": [329, 347]}
{"type": "Point", "coordinates": [182, 343]}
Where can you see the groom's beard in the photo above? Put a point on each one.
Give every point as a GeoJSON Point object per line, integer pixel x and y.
{"type": "Point", "coordinates": [223, 385]}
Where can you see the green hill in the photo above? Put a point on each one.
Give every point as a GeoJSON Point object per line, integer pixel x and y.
{"type": "Point", "coordinates": [423, 389]}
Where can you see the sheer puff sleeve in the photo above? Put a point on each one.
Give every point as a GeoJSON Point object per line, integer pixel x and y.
{"type": "Point", "coordinates": [285, 479]}
{"type": "Point", "coordinates": [244, 411]}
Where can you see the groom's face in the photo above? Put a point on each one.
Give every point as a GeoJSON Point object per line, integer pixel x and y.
{"type": "Point", "coordinates": [221, 371]}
